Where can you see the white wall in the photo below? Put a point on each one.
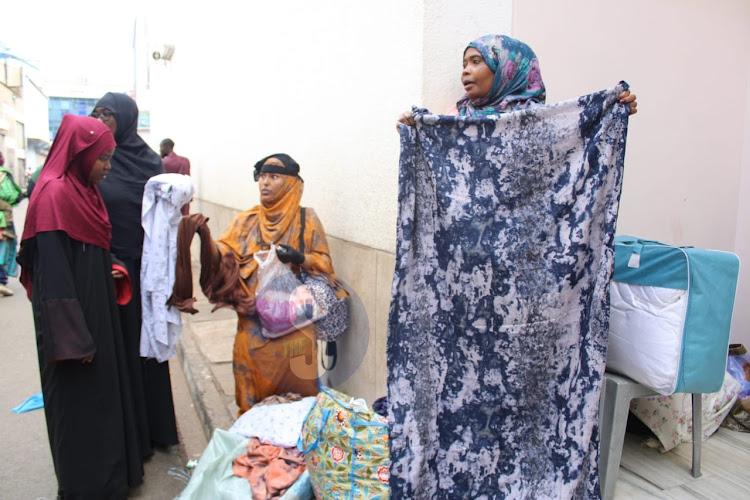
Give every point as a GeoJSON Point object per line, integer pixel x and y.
{"type": "Point", "coordinates": [36, 110]}
{"type": "Point", "coordinates": [741, 332]}
{"type": "Point", "coordinates": [322, 81]}
{"type": "Point", "coordinates": [687, 61]}
{"type": "Point", "coordinates": [36, 121]}
{"type": "Point", "coordinates": [449, 26]}
{"type": "Point", "coordinates": [325, 82]}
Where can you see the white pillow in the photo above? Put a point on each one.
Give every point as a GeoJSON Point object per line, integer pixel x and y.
{"type": "Point", "coordinates": [646, 325]}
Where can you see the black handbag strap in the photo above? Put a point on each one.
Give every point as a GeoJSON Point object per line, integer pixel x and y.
{"type": "Point", "coordinates": [302, 229]}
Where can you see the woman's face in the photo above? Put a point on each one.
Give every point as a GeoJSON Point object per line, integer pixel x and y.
{"type": "Point", "coordinates": [269, 183]}
{"type": "Point", "coordinates": [101, 167]}
{"type": "Point", "coordinates": [476, 76]}
{"type": "Point", "coordinates": [106, 117]}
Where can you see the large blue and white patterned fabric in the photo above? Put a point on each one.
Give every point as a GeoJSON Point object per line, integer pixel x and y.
{"type": "Point", "coordinates": [498, 324]}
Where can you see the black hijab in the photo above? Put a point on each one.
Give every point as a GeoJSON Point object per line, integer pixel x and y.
{"type": "Point", "coordinates": [133, 164]}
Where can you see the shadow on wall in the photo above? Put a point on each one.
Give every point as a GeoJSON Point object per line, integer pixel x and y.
{"type": "Point", "coordinates": [351, 347]}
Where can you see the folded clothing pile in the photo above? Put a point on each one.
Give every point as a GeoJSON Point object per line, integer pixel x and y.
{"type": "Point", "coordinates": [257, 458]}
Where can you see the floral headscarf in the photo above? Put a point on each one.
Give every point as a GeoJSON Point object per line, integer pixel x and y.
{"type": "Point", "coordinates": [518, 81]}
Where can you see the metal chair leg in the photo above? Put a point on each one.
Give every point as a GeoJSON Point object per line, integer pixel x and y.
{"type": "Point", "coordinates": [697, 434]}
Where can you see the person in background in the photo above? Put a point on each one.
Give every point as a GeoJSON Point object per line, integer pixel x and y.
{"type": "Point", "coordinates": [174, 164]}
{"type": "Point", "coordinates": [10, 196]}
{"type": "Point", "coordinates": [67, 270]}
{"type": "Point", "coordinates": [501, 74]}
{"type": "Point", "coordinates": [133, 164]}
{"type": "Point", "coordinates": [32, 181]}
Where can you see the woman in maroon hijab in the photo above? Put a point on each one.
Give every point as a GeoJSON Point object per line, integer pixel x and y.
{"type": "Point", "coordinates": [68, 272]}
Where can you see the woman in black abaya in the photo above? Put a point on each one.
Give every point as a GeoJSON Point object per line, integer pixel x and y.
{"type": "Point", "coordinates": [133, 164]}
{"type": "Point", "coordinates": [67, 270]}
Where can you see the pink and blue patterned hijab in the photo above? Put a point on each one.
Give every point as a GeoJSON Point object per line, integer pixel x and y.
{"type": "Point", "coordinates": [518, 81]}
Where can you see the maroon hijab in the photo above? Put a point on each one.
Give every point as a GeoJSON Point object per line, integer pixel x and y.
{"type": "Point", "coordinates": [64, 199]}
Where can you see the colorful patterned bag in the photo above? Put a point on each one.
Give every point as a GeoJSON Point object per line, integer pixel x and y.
{"type": "Point", "coordinates": [346, 448]}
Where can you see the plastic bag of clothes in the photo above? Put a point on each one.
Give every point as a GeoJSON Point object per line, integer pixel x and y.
{"type": "Point", "coordinates": [283, 304]}
{"type": "Point", "coordinates": [346, 448]}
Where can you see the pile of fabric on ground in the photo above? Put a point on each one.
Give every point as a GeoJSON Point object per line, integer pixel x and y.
{"type": "Point", "coordinates": [257, 457]}
{"type": "Point", "coordinates": [295, 448]}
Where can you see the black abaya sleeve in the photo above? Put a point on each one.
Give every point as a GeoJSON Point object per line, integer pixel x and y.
{"type": "Point", "coordinates": [65, 333]}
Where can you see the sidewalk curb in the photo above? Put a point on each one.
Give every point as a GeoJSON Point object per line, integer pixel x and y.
{"type": "Point", "coordinates": [206, 394]}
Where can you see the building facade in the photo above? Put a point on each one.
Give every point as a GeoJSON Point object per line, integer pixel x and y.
{"type": "Point", "coordinates": [12, 127]}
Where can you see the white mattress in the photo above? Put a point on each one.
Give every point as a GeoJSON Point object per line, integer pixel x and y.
{"type": "Point", "coordinates": [646, 324]}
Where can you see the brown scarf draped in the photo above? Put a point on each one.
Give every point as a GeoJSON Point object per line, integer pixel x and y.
{"type": "Point", "coordinates": [219, 285]}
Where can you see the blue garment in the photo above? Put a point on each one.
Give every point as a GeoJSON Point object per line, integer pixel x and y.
{"type": "Point", "coordinates": [498, 323]}
{"type": "Point", "coordinates": [35, 402]}
{"type": "Point", "coordinates": [8, 264]}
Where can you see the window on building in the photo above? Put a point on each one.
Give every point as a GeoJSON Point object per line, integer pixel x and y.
{"type": "Point", "coordinates": [21, 134]}
{"type": "Point", "coordinates": [60, 106]}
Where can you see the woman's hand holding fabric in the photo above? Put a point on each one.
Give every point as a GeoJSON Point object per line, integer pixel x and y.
{"type": "Point", "coordinates": [407, 118]}
{"type": "Point", "coordinates": [627, 98]}
{"type": "Point", "coordinates": [286, 254]}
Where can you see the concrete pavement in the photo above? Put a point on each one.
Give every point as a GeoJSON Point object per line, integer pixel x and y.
{"type": "Point", "coordinates": [26, 469]}
{"type": "Point", "coordinates": [205, 354]}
